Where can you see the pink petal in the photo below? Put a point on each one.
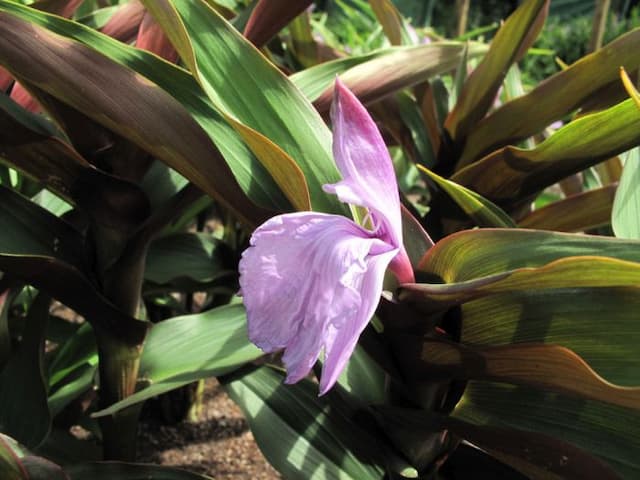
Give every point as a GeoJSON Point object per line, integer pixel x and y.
{"type": "Point", "coordinates": [310, 282]}
{"type": "Point", "coordinates": [363, 160]}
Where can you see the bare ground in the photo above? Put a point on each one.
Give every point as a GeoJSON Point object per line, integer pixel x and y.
{"type": "Point", "coordinates": [218, 444]}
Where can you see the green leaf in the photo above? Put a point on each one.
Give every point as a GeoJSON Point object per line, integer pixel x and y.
{"type": "Point", "coordinates": [272, 116]}
{"type": "Point", "coordinates": [550, 368]}
{"type": "Point", "coordinates": [608, 432]}
{"type": "Point", "coordinates": [472, 254]}
{"type": "Point", "coordinates": [145, 80]}
{"type": "Point", "coordinates": [203, 345]}
{"type": "Point", "coordinates": [625, 217]}
{"type": "Point", "coordinates": [581, 271]}
{"type": "Point", "coordinates": [480, 210]}
{"type": "Point", "coordinates": [194, 258]}
{"type": "Point", "coordinates": [510, 42]}
{"type": "Point", "coordinates": [316, 437]}
{"type": "Point", "coordinates": [44, 251]}
{"type": "Point", "coordinates": [580, 144]}
{"type": "Point", "coordinates": [80, 349]}
{"type": "Point", "coordinates": [23, 394]}
{"type": "Point", "coordinates": [554, 98]}
{"type": "Point", "coordinates": [537, 455]}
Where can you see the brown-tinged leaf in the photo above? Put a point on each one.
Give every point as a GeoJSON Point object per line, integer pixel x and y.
{"type": "Point", "coordinates": [64, 8]}
{"type": "Point", "coordinates": [27, 146]}
{"type": "Point", "coordinates": [390, 19]}
{"type": "Point", "coordinates": [548, 367]}
{"type": "Point", "coordinates": [269, 17]}
{"type": "Point", "coordinates": [576, 213]}
{"type": "Point", "coordinates": [404, 67]}
{"type": "Point", "coordinates": [125, 22]}
{"type": "Point", "coordinates": [103, 92]}
{"type": "Point", "coordinates": [152, 38]}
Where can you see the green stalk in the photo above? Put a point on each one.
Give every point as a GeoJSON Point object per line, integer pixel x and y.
{"type": "Point", "coordinates": [120, 357]}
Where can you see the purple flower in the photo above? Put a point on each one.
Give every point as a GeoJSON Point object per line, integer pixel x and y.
{"type": "Point", "coordinates": [312, 281]}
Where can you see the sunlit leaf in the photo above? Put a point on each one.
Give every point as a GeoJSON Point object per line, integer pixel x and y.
{"type": "Point", "coordinates": [580, 144]}
{"type": "Point", "coordinates": [202, 345]}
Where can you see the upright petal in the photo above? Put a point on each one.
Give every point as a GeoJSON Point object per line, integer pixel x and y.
{"type": "Point", "coordinates": [310, 282]}
{"type": "Point", "coordinates": [363, 160]}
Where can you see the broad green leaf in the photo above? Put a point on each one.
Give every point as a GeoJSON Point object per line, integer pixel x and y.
{"type": "Point", "coordinates": [576, 213]}
{"type": "Point", "coordinates": [23, 394]}
{"type": "Point", "coordinates": [43, 250]}
{"type": "Point", "coordinates": [316, 437]}
{"type": "Point", "coordinates": [202, 345]}
{"type": "Point", "coordinates": [480, 210]}
{"type": "Point", "coordinates": [194, 258]}
{"type": "Point", "coordinates": [78, 350]}
{"type": "Point", "coordinates": [571, 317]}
{"type": "Point", "coordinates": [550, 368]}
{"type": "Point", "coordinates": [126, 69]}
{"type": "Point", "coordinates": [402, 67]}
{"type": "Point", "coordinates": [578, 271]}
{"type": "Point", "coordinates": [552, 99]}
{"type": "Point", "coordinates": [363, 378]}
{"type": "Point", "coordinates": [580, 144]}
{"type": "Point", "coordinates": [472, 254]}
{"type": "Point", "coordinates": [625, 217]}
{"type": "Point", "coordinates": [510, 42]}
{"type": "Point", "coordinates": [606, 431]}
{"type": "Point", "coordinates": [278, 123]}
{"type": "Point", "coordinates": [537, 455]}
{"type": "Point", "coordinates": [81, 381]}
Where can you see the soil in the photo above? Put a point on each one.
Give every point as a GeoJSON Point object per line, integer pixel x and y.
{"type": "Point", "coordinates": [218, 444]}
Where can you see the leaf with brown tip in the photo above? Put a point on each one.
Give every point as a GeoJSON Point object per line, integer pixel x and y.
{"type": "Point", "coordinates": [551, 368]}
{"type": "Point", "coordinates": [580, 144]}
{"type": "Point", "coordinates": [576, 213]}
{"type": "Point", "coordinates": [163, 126]}
{"type": "Point", "coordinates": [479, 91]}
{"type": "Point", "coordinates": [400, 68]}
{"type": "Point", "coordinates": [557, 96]}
